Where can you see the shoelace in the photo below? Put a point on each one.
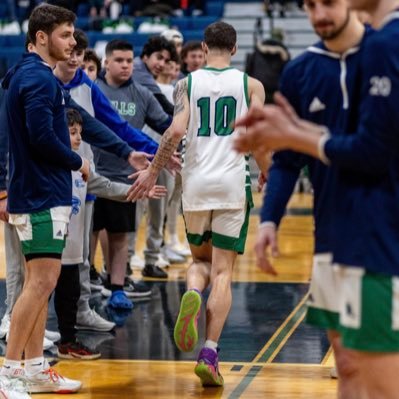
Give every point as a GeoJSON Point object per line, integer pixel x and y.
{"type": "Point", "coordinates": [52, 374]}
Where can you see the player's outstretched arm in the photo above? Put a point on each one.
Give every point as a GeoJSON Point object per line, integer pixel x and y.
{"type": "Point", "coordinates": [146, 179]}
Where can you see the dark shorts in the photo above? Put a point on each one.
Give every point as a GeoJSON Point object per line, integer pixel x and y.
{"type": "Point", "coordinates": [115, 217]}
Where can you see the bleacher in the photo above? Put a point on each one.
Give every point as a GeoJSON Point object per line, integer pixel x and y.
{"type": "Point", "coordinates": [242, 15]}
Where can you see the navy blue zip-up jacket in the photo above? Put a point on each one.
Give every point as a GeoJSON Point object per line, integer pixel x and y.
{"type": "Point", "coordinates": [41, 158]}
{"type": "Point", "coordinates": [320, 85]}
{"type": "Point", "coordinates": [366, 211]}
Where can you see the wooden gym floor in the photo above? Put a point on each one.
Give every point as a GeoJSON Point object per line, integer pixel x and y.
{"type": "Point", "coordinates": [267, 351]}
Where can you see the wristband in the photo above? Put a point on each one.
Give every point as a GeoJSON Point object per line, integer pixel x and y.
{"type": "Point", "coordinates": [3, 195]}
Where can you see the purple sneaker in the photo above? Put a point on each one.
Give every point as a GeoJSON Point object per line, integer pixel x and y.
{"type": "Point", "coordinates": [207, 368]}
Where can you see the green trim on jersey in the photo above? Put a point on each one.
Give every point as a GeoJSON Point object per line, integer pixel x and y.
{"type": "Point", "coordinates": [189, 78]}
{"type": "Point", "coordinates": [246, 89]}
{"type": "Point", "coordinates": [218, 69]}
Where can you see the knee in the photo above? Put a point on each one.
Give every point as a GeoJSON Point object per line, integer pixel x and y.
{"type": "Point", "coordinates": [44, 285]}
{"type": "Point", "coordinates": [347, 366]}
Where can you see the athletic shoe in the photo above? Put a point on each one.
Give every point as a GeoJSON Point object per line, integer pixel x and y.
{"type": "Point", "coordinates": [119, 300]}
{"type": "Point", "coordinates": [13, 387]}
{"type": "Point", "coordinates": [10, 394]}
{"type": "Point", "coordinates": [132, 289]}
{"type": "Point", "coordinates": [136, 262]}
{"type": "Point", "coordinates": [333, 373]}
{"type": "Point", "coordinates": [172, 256]}
{"type": "Point", "coordinates": [153, 271]}
{"type": "Point", "coordinates": [186, 332]}
{"type": "Point", "coordinates": [91, 320]}
{"type": "Point", "coordinates": [96, 282]}
{"type": "Point", "coordinates": [5, 325]}
{"type": "Point", "coordinates": [47, 344]}
{"type": "Point", "coordinates": [75, 350]}
{"type": "Point", "coordinates": [50, 381]}
{"type": "Point", "coordinates": [181, 249]}
{"type": "Point", "coordinates": [207, 368]}
{"type": "Point", "coordinates": [162, 262]}
{"type": "Point", "coordinates": [118, 316]}
{"type": "Point", "coordinates": [52, 335]}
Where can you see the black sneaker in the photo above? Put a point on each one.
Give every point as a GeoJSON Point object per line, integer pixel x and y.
{"type": "Point", "coordinates": [96, 283]}
{"type": "Point", "coordinates": [136, 289]}
{"type": "Point", "coordinates": [153, 271]}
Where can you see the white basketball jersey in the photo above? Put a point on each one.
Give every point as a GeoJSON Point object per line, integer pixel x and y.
{"type": "Point", "coordinates": [214, 174]}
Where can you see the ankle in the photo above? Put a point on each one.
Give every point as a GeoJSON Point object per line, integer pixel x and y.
{"type": "Point", "coordinates": [36, 365]}
{"type": "Point", "coordinates": [211, 345]}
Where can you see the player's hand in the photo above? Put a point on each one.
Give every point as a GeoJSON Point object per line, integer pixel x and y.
{"type": "Point", "coordinates": [141, 188]}
{"type": "Point", "coordinates": [139, 160]}
{"type": "Point", "coordinates": [85, 169]}
{"type": "Point", "coordinates": [157, 192]}
{"type": "Point", "coordinates": [174, 164]}
{"type": "Point", "coordinates": [262, 179]}
{"type": "Point", "coordinates": [3, 210]}
{"type": "Point", "coordinates": [266, 237]}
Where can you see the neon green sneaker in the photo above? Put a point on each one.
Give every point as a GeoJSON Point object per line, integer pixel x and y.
{"type": "Point", "coordinates": [186, 332]}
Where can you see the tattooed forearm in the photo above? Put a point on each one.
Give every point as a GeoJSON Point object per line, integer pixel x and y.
{"type": "Point", "coordinates": [178, 95]}
{"type": "Point", "coordinates": [166, 149]}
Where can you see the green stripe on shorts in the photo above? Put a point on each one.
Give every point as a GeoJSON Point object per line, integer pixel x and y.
{"type": "Point", "coordinates": [322, 318]}
{"type": "Point", "coordinates": [376, 332]}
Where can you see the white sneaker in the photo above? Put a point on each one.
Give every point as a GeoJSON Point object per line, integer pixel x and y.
{"type": "Point", "coordinates": [162, 262]}
{"type": "Point", "coordinates": [13, 387]}
{"type": "Point", "coordinates": [172, 256]}
{"type": "Point", "coordinates": [91, 320]}
{"type": "Point", "coordinates": [136, 262]}
{"type": "Point", "coordinates": [178, 247]}
{"type": "Point", "coordinates": [52, 335]}
{"type": "Point", "coordinates": [9, 394]}
{"type": "Point", "coordinates": [47, 344]}
{"type": "Point", "coordinates": [5, 325]}
{"type": "Point", "coordinates": [50, 381]}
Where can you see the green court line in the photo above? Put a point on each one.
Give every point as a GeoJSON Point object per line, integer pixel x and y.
{"type": "Point", "coordinates": [283, 333]}
{"type": "Point", "coordinates": [242, 386]}
{"type": "Point", "coordinates": [254, 370]}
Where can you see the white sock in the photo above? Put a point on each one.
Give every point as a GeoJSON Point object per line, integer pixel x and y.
{"type": "Point", "coordinates": [36, 365]}
{"type": "Point", "coordinates": [9, 366]}
{"type": "Point", "coordinates": [211, 345]}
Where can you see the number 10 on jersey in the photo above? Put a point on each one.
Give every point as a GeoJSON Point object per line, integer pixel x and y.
{"type": "Point", "coordinates": [225, 114]}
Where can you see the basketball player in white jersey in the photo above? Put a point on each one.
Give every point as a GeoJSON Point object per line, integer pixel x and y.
{"type": "Point", "coordinates": [216, 188]}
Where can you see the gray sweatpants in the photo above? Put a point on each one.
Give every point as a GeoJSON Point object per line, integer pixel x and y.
{"type": "Point", "coordinates": [15, 266]}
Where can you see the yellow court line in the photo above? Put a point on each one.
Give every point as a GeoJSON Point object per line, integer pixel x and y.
{"type": "Point", "coordinates": [327, 356]}
{"type": "Point", "coordinates": [275, 335]}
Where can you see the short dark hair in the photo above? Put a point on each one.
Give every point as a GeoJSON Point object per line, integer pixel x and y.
{"type": "Point", "coordinates": [158, 43]}
{"type": "Point", "coordinates": [82, 42]}
{"type": "Point", "coordinates": [117, 44]}
{"type": "Point", "coordinates": [192, 45]}
{"type": "Point", "coordinates": [47, 18]}
{"type": "Point", "coordinates": [221, 36]}
{"type": "Point", "coordinates": [91, 55]}
{"type": "Point", "coordinates": [73, 116]}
